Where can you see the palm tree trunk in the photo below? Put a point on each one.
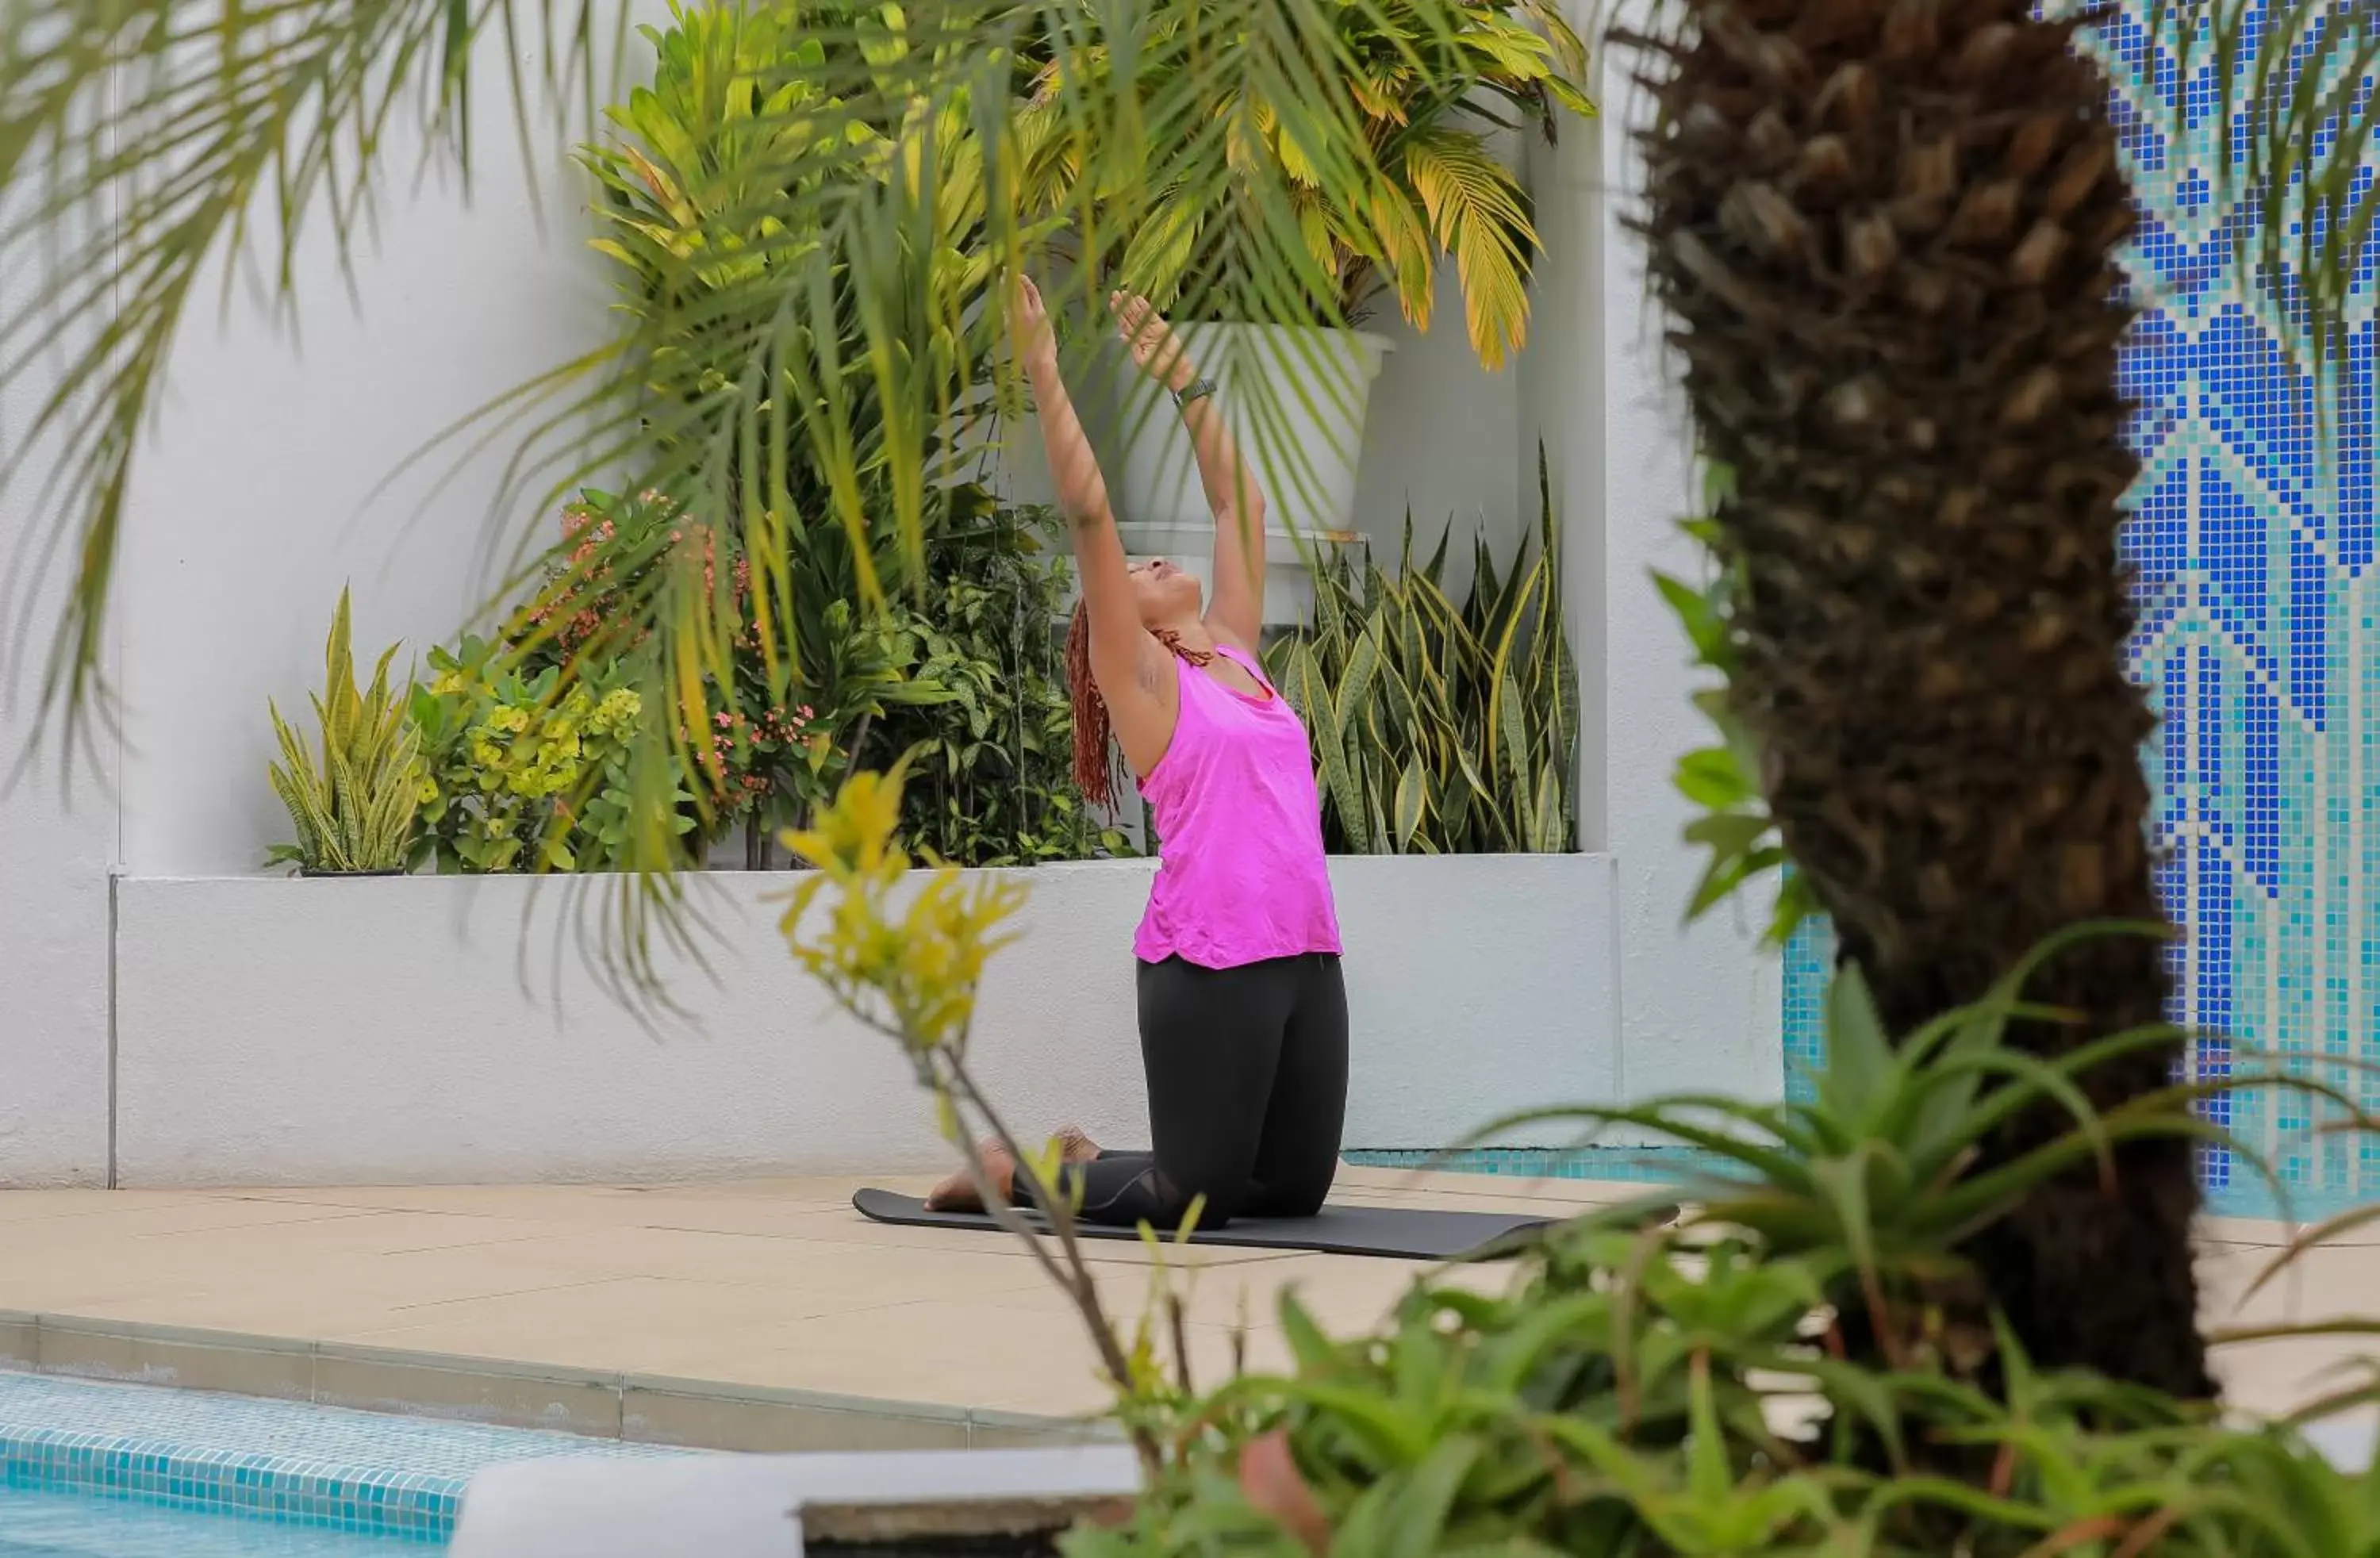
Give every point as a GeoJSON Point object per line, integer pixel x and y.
{"type": "Point", "coordinates": [1885, 232]}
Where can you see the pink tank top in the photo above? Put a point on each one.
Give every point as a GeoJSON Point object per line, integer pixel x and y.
{"type": "Point", "coordinates": [1240, 877]}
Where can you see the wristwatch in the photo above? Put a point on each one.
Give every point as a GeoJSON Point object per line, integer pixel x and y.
{"type": "Point", "coordinates": [1196, 389]}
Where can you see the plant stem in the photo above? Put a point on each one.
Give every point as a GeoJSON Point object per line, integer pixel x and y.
{"type": "Point", "coordinates": [1077, 1280]}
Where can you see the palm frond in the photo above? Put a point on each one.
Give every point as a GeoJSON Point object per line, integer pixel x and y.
{"type": "Point", "coordinates": [803, 319]}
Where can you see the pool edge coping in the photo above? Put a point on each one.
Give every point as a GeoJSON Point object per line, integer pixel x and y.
{"type": "Point", "coordinates": [632, 1407]}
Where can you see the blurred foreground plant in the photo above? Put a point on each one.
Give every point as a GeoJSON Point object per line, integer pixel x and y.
{"type": "Point", "coordinates": [1801, 1364]}
{"type": "Point", "coordinates": [904, 958]}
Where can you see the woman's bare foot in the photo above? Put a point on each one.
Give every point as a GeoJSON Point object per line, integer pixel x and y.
{"type": "Point", "coordinates": [958, 1193]}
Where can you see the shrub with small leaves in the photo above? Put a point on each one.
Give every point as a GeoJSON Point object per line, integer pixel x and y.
{"type": "Point", "coordinates": [528, 771]}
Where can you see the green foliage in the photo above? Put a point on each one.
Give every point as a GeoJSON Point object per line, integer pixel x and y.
{"type": "Point", "coordinates": [799, 678]}
{"type": "Point", "coordinates": [991, 763]}
{"type": "Point", "coordinates": [527, 771]}
{"type": "Point", "coordinates": [1796, 1363]}
{"type": "Point", "coordinates": [1440, 729]}
{"type": "Point", "coordinates": [354, 808]}
{"type": "Point", "coordinates": [1800, 1365]}
{"type": "Point", "coordinates": [968, 681]}
{"type": "Point", "coordinates": [1639, 1396]}
{"type": "Point", "coordinates": [1723, 780]}
{"type": "Point", "coordinates": [906, 961]}
{"type": "Point", "coordinates": [914, 969]}
{"type": "Point", "coordinates": [147, 139]}
{"type": "Point", "coordinates": [1427, 83]}
{"type": "Point", "coordinates": [755, 111]}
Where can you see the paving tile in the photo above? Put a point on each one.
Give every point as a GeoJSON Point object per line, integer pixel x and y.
{"type": "Point", "coordinates": [19, 1340]}
{"type": "Point", "coordinates": [855, 1275]}
{"type": "Point", "coordinates": [760, 1288]}
{"type": "Point", "coordinates": [779, 1423]}
{"type": "Point", "coordinates": [634, 1323]}
{"type": "Point", "coordinates": [937, 1351]}
{"type": "Point", "coordinates": [2269, 1232]}
{"type": "Point", "coordinates": [1339, 1291]}
{"type": "Point", "coordinates": [849, 1227]}
{"type": "Point", "coordinates": [244, 1365]}
{"type": "Point", "coordinates": [1005, 1430]}
{"type": "Point", "coordinates": [2321, 1285]}
{"type": "Point", "coordinates": [168, 1219]}
{"type": "Point", "coordinates": [478, 1390]}
{"type": "Point", "coordinates": [27, 1206]}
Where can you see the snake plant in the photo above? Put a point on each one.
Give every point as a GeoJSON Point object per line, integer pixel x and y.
{"type": "Point", "coordinates": [1438, 728]}
{"type": "Point", "coordinates": [355, 807]}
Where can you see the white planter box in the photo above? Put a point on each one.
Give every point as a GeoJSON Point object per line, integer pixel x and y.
{"type": "Point", "coordinates": [443, 1029]}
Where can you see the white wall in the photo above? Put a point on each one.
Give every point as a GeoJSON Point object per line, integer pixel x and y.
{"type": "Point", "coordinates": [1699, 1005]}
{"type": "Point", "coordinates": [292, 1032]}
{"type": "Point", "coordinates": [58, 839]}
{"type": "Point", "coordinates": [257, 501]}
{"type": "Point", "coordinates": [261, 492]}
{"type": "Point", "coordinates": [257, 497]}
{"type": "Point", "coordinates": [1439, 441]}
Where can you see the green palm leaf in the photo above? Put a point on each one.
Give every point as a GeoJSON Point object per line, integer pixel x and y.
{"type": "Point", "coordinates": [800, 380]}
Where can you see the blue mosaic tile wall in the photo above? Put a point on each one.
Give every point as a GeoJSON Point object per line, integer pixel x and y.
{"type": "Point", "coordinates": [2254, 541]}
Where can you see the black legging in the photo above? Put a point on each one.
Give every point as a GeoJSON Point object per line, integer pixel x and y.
{"type": "Point", "coordinates": [1247, 1091]}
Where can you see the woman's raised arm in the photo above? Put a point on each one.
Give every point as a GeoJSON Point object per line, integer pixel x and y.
{"type": "Point", "coordinates": [1235, 610]}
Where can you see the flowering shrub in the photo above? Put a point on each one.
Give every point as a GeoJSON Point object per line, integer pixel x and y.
{"type": "Point", "coordinates": [966, 678]}
{"type": "Point", "coordinates": [521, 771]}
{"type": "Point", "coordinates": [772, 752]}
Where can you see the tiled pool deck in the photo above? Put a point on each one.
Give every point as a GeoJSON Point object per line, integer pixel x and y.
{"type": "Point", "coordinates": [758, 1315]}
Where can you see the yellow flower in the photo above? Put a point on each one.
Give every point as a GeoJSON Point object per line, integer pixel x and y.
{"type": "Point", "coordinates": [447, 684]}
{"type": "Point", "coordinates": [486, 754]}
{"type": "Point", "coordinates": [426, 792]}
{"type": "Point", "coordinates": [510, 719]}
{"type": "Point", "coordinates": [617, 711]}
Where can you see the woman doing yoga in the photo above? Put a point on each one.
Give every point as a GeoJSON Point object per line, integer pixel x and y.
{"type": "Point", "coordinates": [1243, 1014]}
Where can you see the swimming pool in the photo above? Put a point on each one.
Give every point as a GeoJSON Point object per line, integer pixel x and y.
{"type": "Point", "coordinates": [37, 1525]}
{"type": "Point", "coordinates": [92, 1470]}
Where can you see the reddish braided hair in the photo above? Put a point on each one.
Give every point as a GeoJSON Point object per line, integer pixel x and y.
{"type": "Point", "coordinates": [1094, 770]}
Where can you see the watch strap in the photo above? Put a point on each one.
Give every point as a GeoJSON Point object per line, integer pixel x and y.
{"type": "Point", "coordinates": [1196, 389]}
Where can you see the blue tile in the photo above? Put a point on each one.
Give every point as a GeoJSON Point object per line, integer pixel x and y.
{"type": "Point", "coordinates": [314, 1466]}
{"type": "Point", "coordinates": [2253, 530]}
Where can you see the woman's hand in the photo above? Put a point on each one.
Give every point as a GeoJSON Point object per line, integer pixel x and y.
{"type": "Point", "coordinates": [1029, 328]}
{"type": "Point", "coordinates": [1156, 350]}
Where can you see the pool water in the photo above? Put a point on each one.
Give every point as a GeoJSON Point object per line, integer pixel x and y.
{"type": "Point", "coordinates": [103, 1470]}
{"type": "Point", "coordinates": [37, 1525]}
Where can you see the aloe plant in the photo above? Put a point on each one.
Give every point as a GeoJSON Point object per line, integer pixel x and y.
{"type": "Point", "coordinates": [1438, 728]}
{"type": "Point", "coordinates": [355, 808]}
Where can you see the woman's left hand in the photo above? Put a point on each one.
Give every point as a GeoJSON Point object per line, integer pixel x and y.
{"type": "Point", "coordinates": [1156, 350]}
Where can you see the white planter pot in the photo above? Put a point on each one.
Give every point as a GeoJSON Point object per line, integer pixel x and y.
{"type": "Point", "coordinates": [1296, 398]}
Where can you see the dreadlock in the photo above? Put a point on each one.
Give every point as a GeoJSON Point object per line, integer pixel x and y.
{"type": "Point", "coordinates": [1094, 769]}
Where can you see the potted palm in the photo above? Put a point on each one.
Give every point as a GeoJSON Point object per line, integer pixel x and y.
{"type": "Point", "coordinates": [354, 808]}
{"type": "Point", "coordinates": [1430, 90]}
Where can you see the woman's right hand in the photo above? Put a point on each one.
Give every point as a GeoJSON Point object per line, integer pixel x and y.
{"type": "Point", "coordinates": [1029, 327]}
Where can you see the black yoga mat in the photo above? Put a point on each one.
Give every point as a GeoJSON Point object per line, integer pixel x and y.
{"type": "Point", "coordinates": [1394, 1231]}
